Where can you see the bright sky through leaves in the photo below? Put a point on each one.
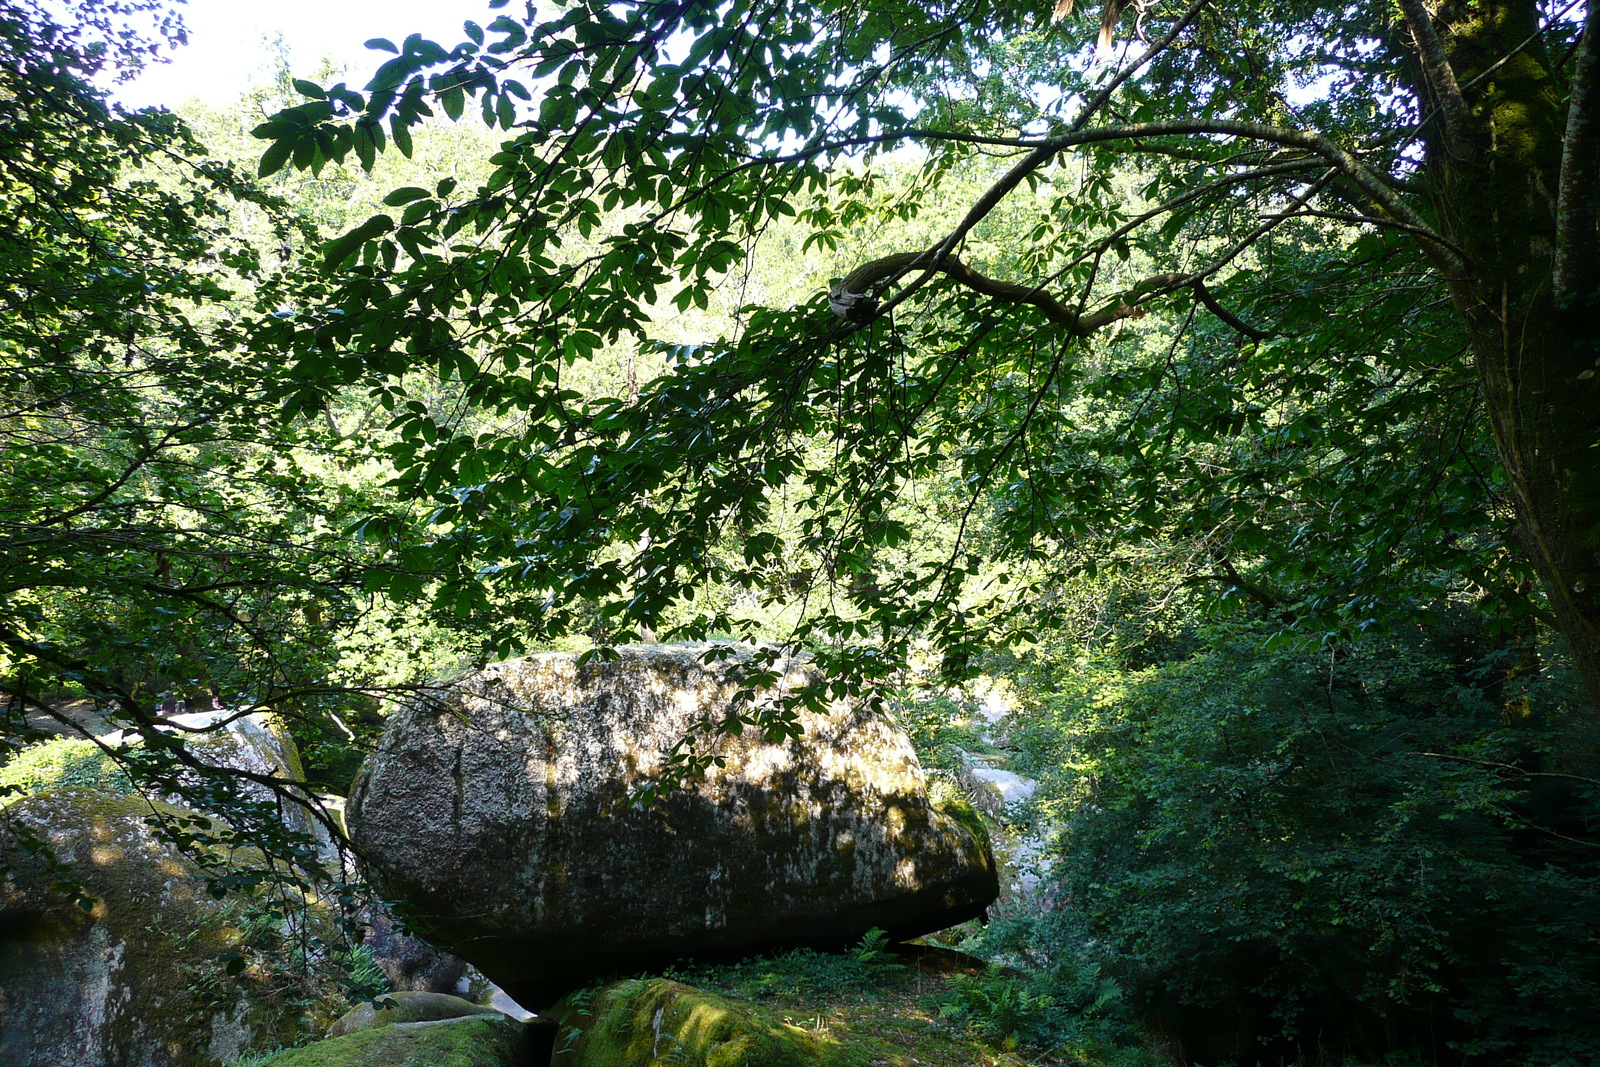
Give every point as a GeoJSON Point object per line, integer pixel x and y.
{"type": "Point", "coordinates": [231, 43]}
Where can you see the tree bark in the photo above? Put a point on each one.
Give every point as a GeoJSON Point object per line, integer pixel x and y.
{"type": "Point", "coordinates": [1512, 170]}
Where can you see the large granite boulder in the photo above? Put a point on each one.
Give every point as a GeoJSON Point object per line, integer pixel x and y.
{"type": "Point", "coordinates": [499, 813]}
{"type": "Point", "coordinates": [132, 973]}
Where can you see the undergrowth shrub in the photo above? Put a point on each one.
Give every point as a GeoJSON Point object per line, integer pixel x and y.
{"type": "Point", "coordinates": [803, 973]}
{"type": "Point", "coordinates": [1291, 855]}
{"type": "Point", "coordinates": [1066, 1003]}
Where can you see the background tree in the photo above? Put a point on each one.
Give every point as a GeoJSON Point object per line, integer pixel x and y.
{"type": "Point", "coordinates": [165, 534]}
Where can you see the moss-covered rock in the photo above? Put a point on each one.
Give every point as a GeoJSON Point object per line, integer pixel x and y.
{"type": "Point", "coordinates": [645, 1023]}
{"type": "Point", "coordinates": [500, 813]}
{"type": "Point", "coordinates": [133, 975]}
{"type": "Point", "coordinates": [406, 1006]}
{"type": "Point", "coordinates": [950, 801]}
{"type": "Point", "coordinates": [478, 1041]}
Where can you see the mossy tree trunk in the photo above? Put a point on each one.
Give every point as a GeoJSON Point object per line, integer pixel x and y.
{"type": "Point", "coordinates": [1515, 173]}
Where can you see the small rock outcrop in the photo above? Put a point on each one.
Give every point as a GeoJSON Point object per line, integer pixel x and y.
{"type": "Point", "coordinates": [409, 963]}
{"type": "Point", "coordinates": [499, 813]}
{"type": "Point", "coordinates": [406, 1007]}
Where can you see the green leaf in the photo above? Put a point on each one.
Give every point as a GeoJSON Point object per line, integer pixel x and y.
{"type": "Point", "coordinates": [401, 134]}
{"type": "Point", "coordinates": [340, 249]}
{"type": "Point", "coordinates": [454, 101]}
{"type": "Point", "coordinates": [366, 146]}
{"type": "Point", "coordinates": [309, 88]}
{"type": "Point", "coordinates": [382, 44]}
{"type": "Point", "coordinates": [393, 74]}
{"type": "Point", "coordinates": [403, 196]}
{"type": "Point", "coordinates": [273, 159]}
{"type": "Point", "coordinates": [516, 34]}
{"type": "Point", "coordinates": [348, 97]}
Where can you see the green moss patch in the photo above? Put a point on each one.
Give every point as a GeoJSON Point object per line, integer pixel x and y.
{"type": "Point", "coordinates": [658, 1021]}
{"type": "Point", "coordinates": [65, 762]}
{"type": "Point", "coordinates": [478, 1041]}
{"type": "Point", "coordinates": [859, 1009]}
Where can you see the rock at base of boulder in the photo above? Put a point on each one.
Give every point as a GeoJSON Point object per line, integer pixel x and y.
{"type": "Point", "coordinates": [645, 1023]}
{"type": "Point", "coordinates": [406, 1006]}
{"type": "Point", "coordinates": [476, 1041]}
{"type": "Point", "coordinates": [409, 963]}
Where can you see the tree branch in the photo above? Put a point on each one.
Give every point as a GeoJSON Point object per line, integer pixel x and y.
{"type": "Point", "coordinates": [1576, 219]}
{"type": "Point", "coordinates": [1443, 254]}
{"type": "Point", "coordinates": [1352, 169]}
{"type": "Point", "coordinates": [1365, 220]}
{"type": "Point", "coordinates": [1440, 74]}
{"type": "Point", "coordinates": [1096, 102]}
{"type": "Point", "coordinates": [1203, 294]}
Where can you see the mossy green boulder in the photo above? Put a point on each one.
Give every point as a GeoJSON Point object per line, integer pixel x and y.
{"type": "Point", "coordinates": [476, 1041]}
{"type": "Point", "coordinates": [499, 811]}
{"type": "Point", "coordinates": [256, 744]}
{"type": "Point", "coordinates": [646, 1023]}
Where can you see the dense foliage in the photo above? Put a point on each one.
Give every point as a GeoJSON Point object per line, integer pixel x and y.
{"type": "Point", "coordinates": [1341, 853]}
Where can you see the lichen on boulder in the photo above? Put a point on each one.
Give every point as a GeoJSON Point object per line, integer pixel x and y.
{"type": "Point", "coordinates": [500, 813]}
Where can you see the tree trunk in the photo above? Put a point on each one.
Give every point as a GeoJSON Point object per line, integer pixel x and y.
{"type": "Point", "coordinates": [1498, 160]}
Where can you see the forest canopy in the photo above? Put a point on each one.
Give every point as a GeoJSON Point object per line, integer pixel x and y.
{"type": "Point", "coordinates": [1369, 237]}
{"type": "Point", "coordinates": [1223, 376]}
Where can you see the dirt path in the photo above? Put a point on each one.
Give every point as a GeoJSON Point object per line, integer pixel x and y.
{"type": "Point", "coordinates": [80, 715]}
